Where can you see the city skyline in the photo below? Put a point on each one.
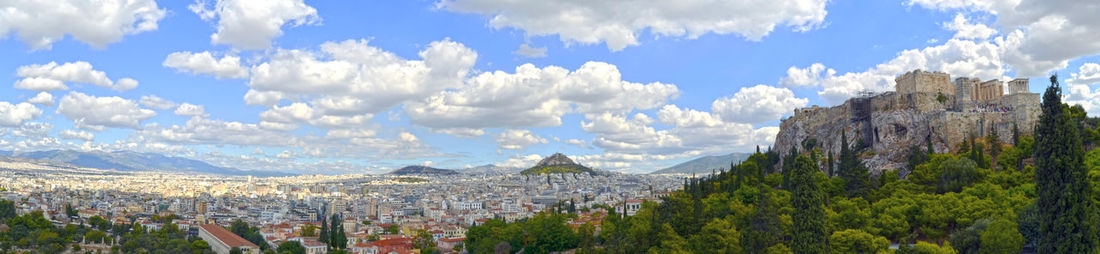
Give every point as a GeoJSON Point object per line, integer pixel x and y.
{"type": "Point", "coordinates": [334, 88]}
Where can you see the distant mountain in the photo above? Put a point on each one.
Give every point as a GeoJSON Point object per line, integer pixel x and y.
{"type": "Point", "coordinates": [422, 170]}
{"type": "Point", "coordinates": [134, 161]}
{"type": "Point", "coordinates": [491, 169]}
{"type": "Point", "coordinates": [557, 164]}
{"type": "Point", "coordinates": [704, 165]}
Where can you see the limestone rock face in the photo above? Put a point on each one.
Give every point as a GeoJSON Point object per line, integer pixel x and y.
{"type": "Point", "coordinates": [554, 160]}
{"type": "Point", "coordinates": [881, 128]}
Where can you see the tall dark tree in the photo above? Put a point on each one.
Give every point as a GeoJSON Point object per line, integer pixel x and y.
{"type": "Point", "coordinates": [1066, 215]}
{"type": "Point", "coordinates": [808, 200]}
{"type": "Point", "coordinates": [764, 228]}
{"type": "Point", "coordinates": [829, 173]}
{"type": "Point", "coordinates": [324, 236]}
{"type": "Point", "coordinates": [788, 162]}
{"type": "Point", "coordinates": [1015, 135]}
{"type": "Point", "coordinates": [852, 170]}
{"type": "Point", "coordinates": [928, 143]}
{"type": "Point", "coordinates": [994, 146]}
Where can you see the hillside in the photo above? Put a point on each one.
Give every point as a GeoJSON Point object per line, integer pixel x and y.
{"type": "Point", "coordinates": [557, 164]}
{"type": "Point", "coordinates": [134, 161]}
{"type": "Point", "coordinates": [422, 170]}
{"type": "Point", "coordinates": [704, 165]}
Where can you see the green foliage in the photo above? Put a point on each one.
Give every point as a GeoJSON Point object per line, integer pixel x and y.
{"type": "Point", "coordinates": [558, 169]}
{"type": "Point", "coordinates": [852, 170]}
{"type": "Point", "coordinates": [1066, 215]}
{"type": "Point", "coordinates": [252, 234]}
{"type": "Point", "coordinates": [923, 247]}
{"type": "Point", "coordinates": [717, 236]}
{"type": "Point", "coordinates": [857, 241]}
{"type": "Point", "coordinates": [424, 242]}
{"type": "Point", "coordinates": [1002, 236]}
{"type": "Point", "coordinates": [969, 240]}
{"type": "Point", "coordinates": [291, 247]}
{"type": "Point", "coordinates": [854, 213]}
{"type": "Point", "coordinates": [543, 233]}
{"type": "Point", "coordinates": [7, 209]}
{"type": "Point", "coordinates": [309, 230]}
{"type": "Point", "coordinates": [808, 202]}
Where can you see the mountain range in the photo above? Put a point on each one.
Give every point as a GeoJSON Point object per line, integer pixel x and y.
{"type": "Point", "coordinates": [134, 161]}
{"type": "Point", "coordinates": [704, 165]}
{"type": "Point", "coordinates": [422, 170]}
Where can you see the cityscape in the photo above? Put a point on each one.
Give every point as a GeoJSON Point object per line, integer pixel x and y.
{"type": "Point", "coordinates": [549, 127]}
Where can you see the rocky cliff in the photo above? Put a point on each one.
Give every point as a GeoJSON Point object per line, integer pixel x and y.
{"type": "Point", "coordinates": [882, 127]}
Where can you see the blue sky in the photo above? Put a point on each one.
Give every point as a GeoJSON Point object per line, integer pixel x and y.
{"type": "Point", "coordinates": [367, 86]}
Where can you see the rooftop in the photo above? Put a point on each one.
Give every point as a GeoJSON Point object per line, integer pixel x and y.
{"type": "Point", "coordinates": [229, 238]}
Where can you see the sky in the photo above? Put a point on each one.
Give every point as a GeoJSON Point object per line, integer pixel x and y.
{"type": "Point", "coordinates": [338, 87]}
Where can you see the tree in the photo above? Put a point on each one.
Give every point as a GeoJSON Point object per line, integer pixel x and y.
{"type": "Point", "coordinates": [809, 208]}
{"type": "Point", "coordinates": [994, 146]}
{"type": "Point", "coordinates": [763, 229]}
{"type": "Point", "coordinates": [968, 240]}
{"type": "Point", "coordinates": [324, 236]}
{"type": "Point", "coordinates": [1002, 236]}
{"type": "Point", "coordinates": [309, 230]}
{"type": "Point", "coordinates": [717, 236]}
{"type": "Point", "coordinates": [198, 246]}
{"type": "Point", "coordinates": [857, 241]}
{"type": "Point", "coordinates": [339, 238]}
{"type": "Point", "coordinates": [1015, 135]}
{"type": "Point", "coordinates": [830, 170]}
{"type": "Point", "coordinates": [1066, 215]}
{"type": "Point", "coordinates": [424, 241]}
{"type": "Point", "coordinates": [852, 170]}
{"type": "Point", "coordinates": [292, 247]}
{"type": "Point", "coordinates": [7, 209]}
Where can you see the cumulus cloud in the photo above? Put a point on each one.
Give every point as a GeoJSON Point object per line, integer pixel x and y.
{"type": "Point", "coordinates": [252, 24]}
{"type": "Point", "coordinates": [347, 82]}
{"type": "Point", "coordinates": [41, 23]}
{"type": "Point", "coordinates": [1040, 35]}
{"type": "Point", "coordinates": [76, 135]}
{"type": "Point", "coordinates": [619, 22]}
{"type": "Point", "coordinates": [53, 76]}
{"type": "Point", "coordinates": [12, 115]}
{"type": "Point", "coordinates": [188, 109]}
{"type": "Point", "coordinates": [757, 104]}
{"type": "Point", "coordinates": [42, 98]}
{"type": "Point", "coordinates": [228, 67]}
{"type": "Point", "coordinates": [153, 101]}
{"type": "Point", "coordinates": [514, 139]}
{"type": "Point", "coordinates": [530, 52]}
{"type": "Point", "coordinates": [1079, 88]}
{"type": "Point", "coordinates": [966, 30]}
{"type": "Point", "coordinates": [96, 113]}
{"type": "Point", "coordinates": [960, 58]}
{"type": "Point", "coordinates": [536, 97]}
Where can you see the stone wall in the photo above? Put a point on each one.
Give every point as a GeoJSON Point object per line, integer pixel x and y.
{"type": "Point", "coordinates": [919, 81]}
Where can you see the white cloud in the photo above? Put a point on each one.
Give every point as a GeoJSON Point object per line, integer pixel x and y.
{"type": "Point", "coordinates": [12, 115]}
{"type": "Point", "coordinates": [960, 58]}
{"type": "Point", "coordinates": [188, 109]}
{"type": "Point", "coordinates": [228, 66]}
{"type": "Point", "coordinates": [351, 78]}
{"type": "Point", "coordinates": [76, 135]}
{"type": "Point", "coordinates": [252, 24]}
{"type": "Point", "coordinates": [530, 52]}
{"type": "Point", "coordinates": [156, 102]}
{"type": "Point", "coordinates": [41, 23]}
{"type": "Point", "coordinates": [534, 97]}
{"type": "Point", "coordinates": [1078, 89]}
{"type": "Point", "coordinates": [965, 30]}
{"type": "Point", "coordinates": [42, 98]}
{"type": "Point", "coordinates": [514, 139]}
{"type": "Point", "coordinates": [52, 76]}
{"type": "Point", "coordinates": [33, 130]}
{"type": "Point", "coordinates": [576, 142]}
{"type": "Point", "coordinates": [1040, 35]}
{"type": "Point", "coordinates": [757, 104]}
{"type": "Point", "coordinates": [96, 113]}
{"type": "Point", "coordinates": [1087, 74]}
{"type": "Point", "coordinates": [619, 22]}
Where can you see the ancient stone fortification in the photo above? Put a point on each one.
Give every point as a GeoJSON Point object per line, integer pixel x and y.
{"type": "Point", "coordinates": [926, 106]}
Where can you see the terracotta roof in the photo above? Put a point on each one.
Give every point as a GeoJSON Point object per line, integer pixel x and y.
{"type": "Point", "coordinates": [229, 238]}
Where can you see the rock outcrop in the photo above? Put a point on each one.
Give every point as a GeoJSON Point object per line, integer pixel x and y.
{"type": "Point", "coordinates": [882, 127]}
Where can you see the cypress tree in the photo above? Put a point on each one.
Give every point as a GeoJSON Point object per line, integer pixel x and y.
{"type": "Point", "coordinates": [334, 224]}
{"type": "Point", "coordinates": [994, 146]}
{"type": "Point", "coordinates": [808, 200]}
{"type": "Point", "coordinates": [830, 172]}
{"type": "Point", "coordinates": [1015, 135]}
{"type": "Point", "coordinates": [324, 236]}
{"type": "Point", "coordinates": [931, 149]}
{"type": "Point", "coordinates": [1066, 215]}
{"type": "Point", "coordinates": [851, 169]}
{"type": "Point", "coordinates": [788, 162]}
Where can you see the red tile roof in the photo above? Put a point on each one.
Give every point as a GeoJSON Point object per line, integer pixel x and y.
{"type": "Point", "coordinates": [229, 238]}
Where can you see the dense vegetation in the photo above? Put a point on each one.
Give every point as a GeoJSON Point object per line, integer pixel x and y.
{"type": "Point", "coordinates": [988, 197]}
{"type": "Point", "coordinates": [558, 169]}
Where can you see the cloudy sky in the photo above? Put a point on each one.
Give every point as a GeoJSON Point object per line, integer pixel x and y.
{"type": "Point", "coordinates": [367, 86]}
